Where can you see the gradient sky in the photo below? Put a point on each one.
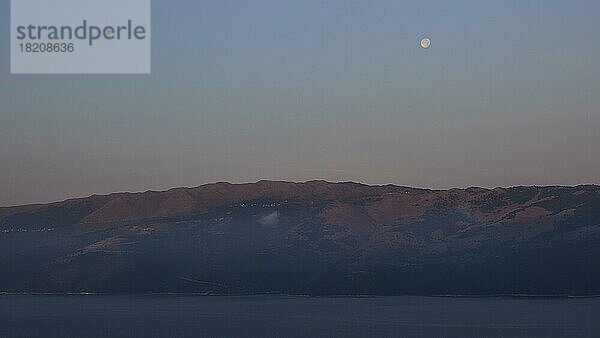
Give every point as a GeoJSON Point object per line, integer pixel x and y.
{"type": "Point", "coordinates": [508, 94]}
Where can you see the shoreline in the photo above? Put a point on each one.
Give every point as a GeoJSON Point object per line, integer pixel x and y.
{"type": "Point", "coordinates": [358, 296]}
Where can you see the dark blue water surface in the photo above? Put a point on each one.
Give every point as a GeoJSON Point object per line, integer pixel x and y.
{"type": "Point", "coordinates": [280, 316]}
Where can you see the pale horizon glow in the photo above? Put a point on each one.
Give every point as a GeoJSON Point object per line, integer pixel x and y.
{"type": "Point", "coordinates": [240, 91]}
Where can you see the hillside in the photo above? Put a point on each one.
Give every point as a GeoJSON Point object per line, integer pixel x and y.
{"type": "Point", "coordinates": [310, 238]}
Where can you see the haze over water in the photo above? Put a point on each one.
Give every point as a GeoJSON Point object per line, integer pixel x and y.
{"type": "Point", "coordinates": [279, 316]}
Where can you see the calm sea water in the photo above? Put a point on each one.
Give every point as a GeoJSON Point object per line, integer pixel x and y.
{"type": "Point", "coordinates": [279, 316]}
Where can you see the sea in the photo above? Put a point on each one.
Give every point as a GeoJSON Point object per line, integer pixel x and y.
{"type": "Point", "coordinates": [296, 316]}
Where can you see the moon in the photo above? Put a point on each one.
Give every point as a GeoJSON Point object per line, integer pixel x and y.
{"type": "Point", "coordinates": [425, 43]}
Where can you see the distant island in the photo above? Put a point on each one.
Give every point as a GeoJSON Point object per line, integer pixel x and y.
{"type": "Point", "coordinates": [316, 238]}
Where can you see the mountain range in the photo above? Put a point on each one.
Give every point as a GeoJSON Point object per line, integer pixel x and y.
{"type": "Point", "coordinates": [316, 238]}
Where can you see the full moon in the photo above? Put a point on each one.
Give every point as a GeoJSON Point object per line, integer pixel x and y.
{"type": "Point", "coordinates": [425, 43]}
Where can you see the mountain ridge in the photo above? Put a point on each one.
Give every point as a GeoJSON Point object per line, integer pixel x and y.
{"type": "Point", "coordinates": [313, 237]}
{"type": "Point", "coordinates": [290, 182]}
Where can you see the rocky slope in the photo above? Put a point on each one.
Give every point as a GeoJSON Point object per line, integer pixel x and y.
{"type": "Point", "coordinates": [311, 238]}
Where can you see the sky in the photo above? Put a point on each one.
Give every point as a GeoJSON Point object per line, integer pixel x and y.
{"type": "Point", "coordinates": [507, 94]}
